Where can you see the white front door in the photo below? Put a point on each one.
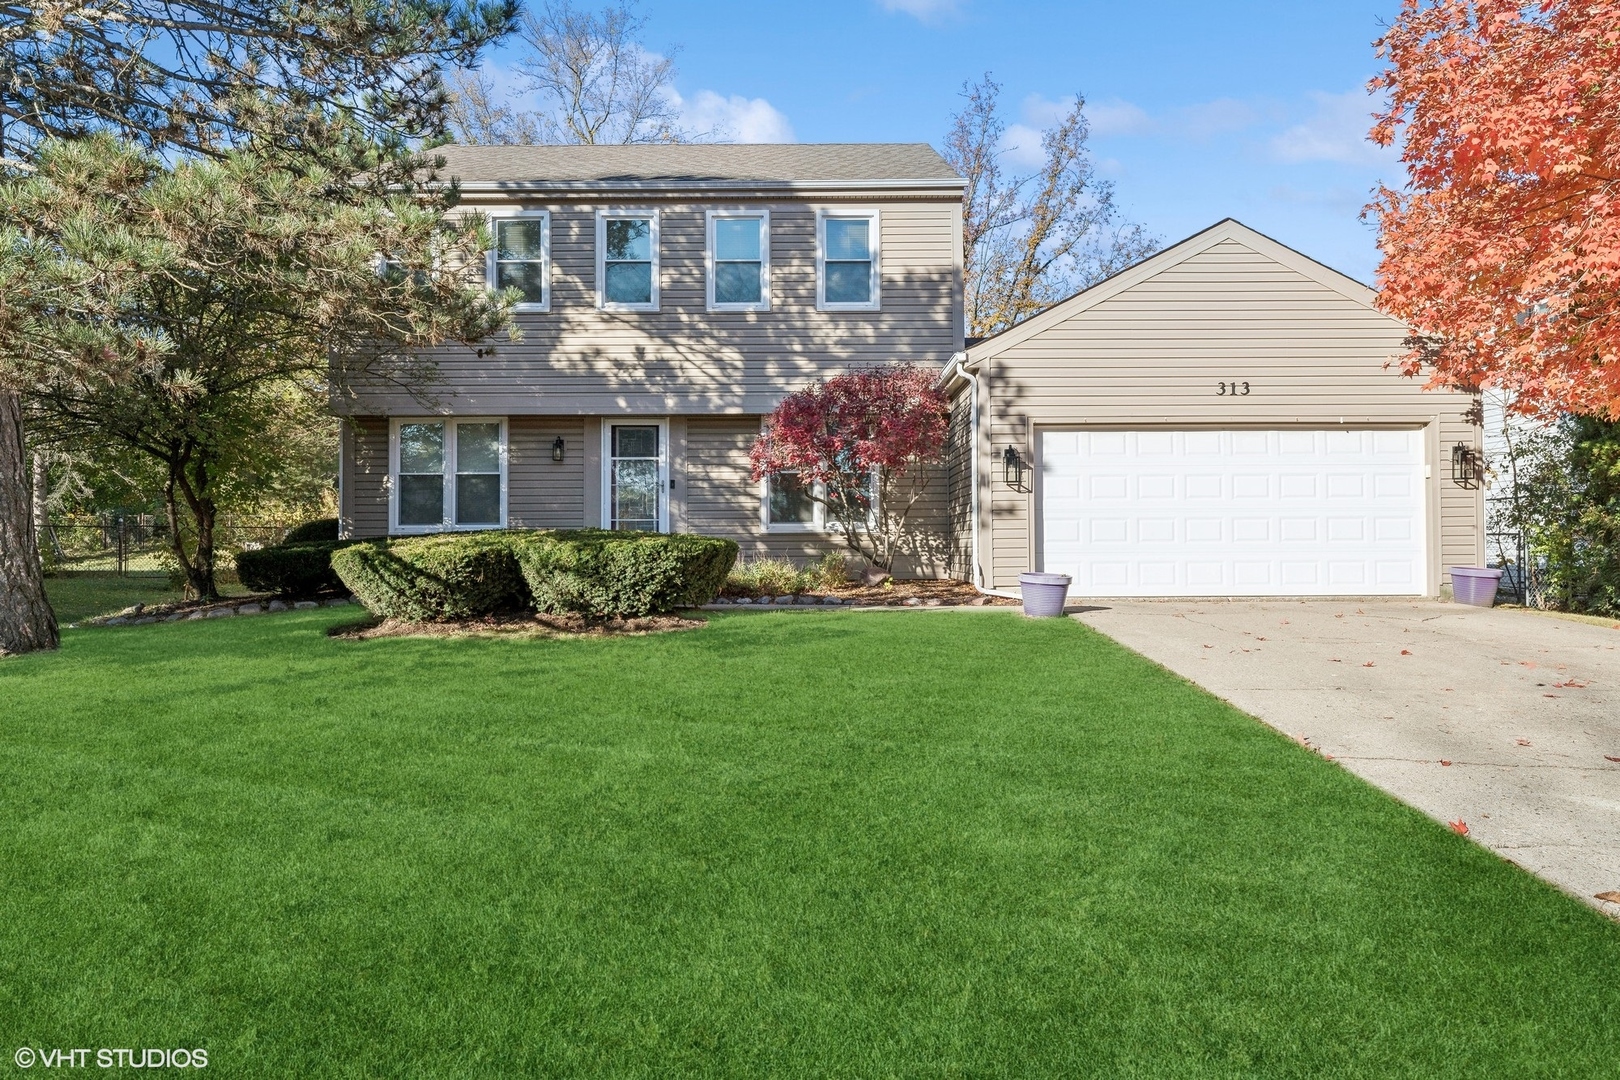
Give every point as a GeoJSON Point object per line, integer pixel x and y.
{"type": "Point", "coordinates": [635, 481]}
{"type": "Point", "coordinates": [1331, 512]}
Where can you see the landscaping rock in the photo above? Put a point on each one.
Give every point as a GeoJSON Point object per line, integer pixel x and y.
{"type": "Point", "coordinates": [912, 601]}
{"type": "Point", "coordinates": [784, 599]}
{"type": "Point", "coordinates": [278, 605]}
{"type": "Point", "coordinates": [197, 615]}
{"type": "Point", "coordinates": [250, 609]}
{"type": "Point", "coordinates": [341, 601]}
{"type": "Point", "coordinates": [933, 602]}
{"type": "Point", "coordinates": [980, 601]}
{"type": "Point", "coordinates": [116, 621]}
{"type": "Point", "coordinates": [145, 620]}
{"type": "Point", "coordinates": [176, 617]}
{"type": "Point", "coordinates": [221, 612]}
{"type": "Point", "coordinates": [305, 605]}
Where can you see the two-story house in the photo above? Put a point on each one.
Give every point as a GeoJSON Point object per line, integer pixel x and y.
{"type": "Point", "coordinates": [1222, 419]}
{"type": "Point", "coordinates": [672, 295]}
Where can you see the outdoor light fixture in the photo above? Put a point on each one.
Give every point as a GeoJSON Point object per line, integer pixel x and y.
{"type": "Point", "coordinates": [557, 449]}
{"type": "Point", "coordinates": [1012, 469]}
{"type": "Point", "coordinates": [1467, 466]}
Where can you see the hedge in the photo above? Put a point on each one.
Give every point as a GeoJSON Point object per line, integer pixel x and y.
{"type": "Point", "coordinates": [426, 578]}
{"type": "Point", "coordinates": [621, 574]}
{"type": "Point", "coordinates": [319, 531]}
{"type": "Point", "coordinates": [291, 569]}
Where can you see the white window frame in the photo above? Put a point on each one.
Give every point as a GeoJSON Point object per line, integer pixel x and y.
{"type": "Point", "coordinates": [763, 216]}
{"type": "Point", "coordinates": [497, 216]}
{"type": "Point", "coordinates": [876, 234]}
{"type": "Point", "coordinates": [451, 445]}
{"type": "Point", "coordinates": [823, 522]}
{"type": "Point", "coordinates": [608, 424]}
{"type": "Point", "coordinates": [602, 218]}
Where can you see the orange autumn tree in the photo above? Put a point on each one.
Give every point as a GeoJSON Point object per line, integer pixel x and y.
{"type": "Point", "coordinates": [1503, 251]}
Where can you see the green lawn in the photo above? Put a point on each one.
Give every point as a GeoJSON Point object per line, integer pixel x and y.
{"type": "Point", "coordinates": [77, 595]}
{"type": "Point", "coordinates": [814, 844]}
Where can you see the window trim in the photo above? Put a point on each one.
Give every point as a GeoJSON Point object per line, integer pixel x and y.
{"type": "Point", "coordinates": [451, 446]}
{"type": "Point", "coordinates": [603, 216]}
{"type": "Point", "coordinates": [876, 235]}
{"type": "Point", "coordinates": [763, 216]}
{"type": "Point", "coordinates": [823, 522]}
{"type": "Point", "coordinates": [608, 424]}
{"type": "Point", "coordinates": [507, 214]}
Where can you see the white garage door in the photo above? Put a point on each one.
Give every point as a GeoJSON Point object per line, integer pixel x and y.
{"type": "Point", "coordinates": [1234, 513]}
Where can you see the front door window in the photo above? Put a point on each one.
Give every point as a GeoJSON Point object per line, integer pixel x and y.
{"type": "Point", "coordinates": [635, 478]}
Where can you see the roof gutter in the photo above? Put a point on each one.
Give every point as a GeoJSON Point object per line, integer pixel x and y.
{"type": "Point", "coordinates": [608, 185]}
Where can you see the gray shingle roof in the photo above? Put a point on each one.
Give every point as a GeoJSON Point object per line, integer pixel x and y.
{"type": "Point", "coordinates": [696, 163]}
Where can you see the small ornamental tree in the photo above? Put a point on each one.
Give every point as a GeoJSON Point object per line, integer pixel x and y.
{"type": "Point", "coordinates": [860, 444]}
{"type": "Point", "coordinates": [1503, 248]}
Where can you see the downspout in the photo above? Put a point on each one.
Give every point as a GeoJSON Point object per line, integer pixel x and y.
{"type": "Point", "coordinates": [957, 366]}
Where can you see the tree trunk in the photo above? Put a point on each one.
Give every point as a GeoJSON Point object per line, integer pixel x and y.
{"type": "Point", "coordinates": [198, 566]}
{"type": "Point", "coordinates": [42, 492]}
{"type": "Point", "coordinates": [27, 623]}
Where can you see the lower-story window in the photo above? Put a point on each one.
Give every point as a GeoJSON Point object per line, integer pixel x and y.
{"type": "Point", "coordinates": [448, 473]}
{"type": "Point", "coordinates": [789, 503]}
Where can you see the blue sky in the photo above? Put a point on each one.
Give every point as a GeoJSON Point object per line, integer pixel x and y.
{"type": "Point", "coordinates": [1200, 110]}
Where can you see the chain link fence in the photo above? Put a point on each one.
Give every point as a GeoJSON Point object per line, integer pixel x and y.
{"type": "Point", "coordinates": [126, 544]}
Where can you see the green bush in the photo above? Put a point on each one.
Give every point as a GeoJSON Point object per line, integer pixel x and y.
{"type": "Point", "coordinates": [447, 576]}
{"type": "Point", "coordinates": [293, 570]}
{"type": "Point", "coordinates": [321, 530]}
{"type": "Point", "coordinates": [768, 577]}
{"type": "Point", "coordinates": [595, 572]}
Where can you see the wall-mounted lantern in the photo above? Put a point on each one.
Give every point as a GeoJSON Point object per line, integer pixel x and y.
{"type": "Point", "coordinates": [1467, 466]}
{"type": "Point", "coordinates": [1013, 468]}
{"type": "Point", "coordinates": [557, 449]}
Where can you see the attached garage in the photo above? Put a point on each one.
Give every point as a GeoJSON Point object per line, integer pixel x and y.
{"type": "Point", "coordinates": [1220, 420]}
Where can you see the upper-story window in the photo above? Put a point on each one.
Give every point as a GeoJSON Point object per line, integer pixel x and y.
{"type": "Point", "coordinates": [739, 257]}
{"type": "Point", "coordinates": [627, 260]}
{"type": "Point", "coordinates": [847, 269]}
{"type": "Point", "coordinates": [521, 257]}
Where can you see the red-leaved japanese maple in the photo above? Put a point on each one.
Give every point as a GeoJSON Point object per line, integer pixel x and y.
{"type": "Point", "coordinates": [859, 444]}
{"type": "Point", "coordinates": [1503, 251]}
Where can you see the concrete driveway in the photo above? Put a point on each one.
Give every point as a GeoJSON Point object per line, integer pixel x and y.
{"type": "Point", "coordinates": [1506, 720]}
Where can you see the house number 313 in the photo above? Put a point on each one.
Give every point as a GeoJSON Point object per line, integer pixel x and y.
{"type": "Point", "coordinates": [1231, 389]}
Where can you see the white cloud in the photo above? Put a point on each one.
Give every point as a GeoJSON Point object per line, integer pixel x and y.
{"type": "Point", "coordinates": [734, 118]}
{"type": "Point", "coordinates": [1115, 117]}
{"type": "Point", "coordinates": [1335, 131]}
{"type": "Point", "coordinates": [1021, 147]}
{"type": "Point", "coordinates": [923, 10]}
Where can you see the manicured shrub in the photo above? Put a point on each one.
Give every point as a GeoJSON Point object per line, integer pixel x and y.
{"type": "Point", "coordinates": [621, 574]}
{"type": "Point", "coordinates": [291, 569]}
{"type": "Point", "coordinates": [321, 530]}
{"type": "Point", "coordinates": [424, 578]}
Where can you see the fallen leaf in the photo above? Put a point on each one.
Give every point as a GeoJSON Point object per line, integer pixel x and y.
{"type": "Point", "coordinates": [1610, 757]}
{"type": "Point", "coordinates": [1549, 695]}
{"type": "Point", "coordinates": [1329, 757]}
{"type": "Point", "coordinates": [1339, 616]}
{"type": "Point", "coordinates": [1368, 664]}
{"type": "Point", "coordinates": [1406, 652]}
{"type": "Point", "coordinates": [1443, 761]}
{"type": "Point", "coordinates": [1522, 742]}
{"type": "Point", "coordinates": [1259, 639]}
{"type": "Point", "coordinates": [1571, 684]}
{"type": "Point", "coordinates": [1447, 689]}
{"type": "Point", "coordinates": [1527, 663]}
{"type": "Point", "coordinates": [1460, 827]}
{"type": "Point", "coordinates": [1611, 896]}
{"type": "Point", "coordinates": [1209, 646]}
{"type": "Point", "coordinates": [1335, 660]}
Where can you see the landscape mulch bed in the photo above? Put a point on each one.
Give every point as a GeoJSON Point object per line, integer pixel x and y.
{"type": "Point", "coordinates": [518, 625]}
{"type": "Point", "coordinates": [896, 592]}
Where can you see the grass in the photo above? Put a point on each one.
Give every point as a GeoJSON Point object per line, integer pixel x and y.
{"type": "Point", "coordinates": [798, 844]}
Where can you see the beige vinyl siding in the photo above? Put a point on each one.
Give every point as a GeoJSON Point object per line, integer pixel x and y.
{"type": "Point", "coordinates": [541, 493]}
{"type": "Point", "coordinates": [577, 360]}
{"type": "Point", "coordinates": [722, 500]}
{"type": "Point", "coordinates": [364, 507]}
{"type": "Point", "coordinates": [1153, 352]}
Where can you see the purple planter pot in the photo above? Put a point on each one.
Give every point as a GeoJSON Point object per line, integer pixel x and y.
{"type": "Point", "coordinates": [1475, 585]}
{"type": "Point", "coordinates": [1044, 594]}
